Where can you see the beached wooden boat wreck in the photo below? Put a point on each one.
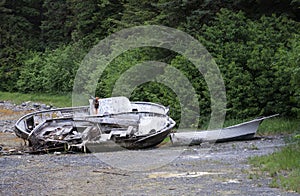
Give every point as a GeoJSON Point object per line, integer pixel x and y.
{"type": "Point", "coordinates": [119, 123]}
{"type": "Point", "coordinates": [242, 131]}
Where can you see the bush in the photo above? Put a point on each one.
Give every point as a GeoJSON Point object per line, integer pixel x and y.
{"type": "Point", "coordinates": [257, 59]}
{"type": "Point", "coordinates": [51, 71]}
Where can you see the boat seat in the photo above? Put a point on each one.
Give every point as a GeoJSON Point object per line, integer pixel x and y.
{"type": "Point", "coordinates": [128, 132]}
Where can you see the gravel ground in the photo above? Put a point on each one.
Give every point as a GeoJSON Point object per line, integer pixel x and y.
{"type": "Point", "coordinates": [220, 169]}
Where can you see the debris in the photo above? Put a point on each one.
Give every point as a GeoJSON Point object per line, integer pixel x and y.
{"type": "Point", "coordinates": [108, 172]}
{"type": "Point", "coordinates": [57, 153]}
{"type": "Point", "coordinates": [12, 150]}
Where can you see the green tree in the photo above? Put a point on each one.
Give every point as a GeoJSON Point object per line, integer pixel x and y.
{"type": "Point", "coordinates": [19, 22]}
{"type": "Point", "coordinates": [246, 52]}
{"type": "Point", "coordinates": [91, 20]}
{"type": "Point", "coordinates": [136, 13]}
{"type": "Point", "coordinates": [54, 25]}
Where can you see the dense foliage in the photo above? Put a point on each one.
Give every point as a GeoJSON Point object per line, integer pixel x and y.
{"type": "Point", "coordinates": [255, 44]}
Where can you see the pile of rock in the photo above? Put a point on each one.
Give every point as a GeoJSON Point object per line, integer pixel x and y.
{"type": "Point", "coordinates": [10, 113]}
{"type": "Point", "coordinates": [36, 106]}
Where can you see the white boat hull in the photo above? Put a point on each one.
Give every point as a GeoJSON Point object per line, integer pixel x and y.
{"type": "Point", "coordinates": [128, 124]}
{"type": "Point", "coordinates": [246, 130]}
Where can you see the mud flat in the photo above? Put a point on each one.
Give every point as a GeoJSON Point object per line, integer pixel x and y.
{"type": "Point", "coordinates": [219, 170]}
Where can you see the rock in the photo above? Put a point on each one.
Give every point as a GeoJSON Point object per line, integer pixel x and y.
{"type": "Point", "coordinates": [45, 107]}
{"type": "Point", "coordinates": [36, 105]}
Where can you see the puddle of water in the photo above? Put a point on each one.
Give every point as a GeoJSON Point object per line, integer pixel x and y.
{"type": "Point", "coordinates": [180, 175]}
{"type": "Point", "coordinates": [232, 181]}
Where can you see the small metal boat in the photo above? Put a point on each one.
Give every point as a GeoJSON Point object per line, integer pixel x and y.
{"type": "Point", "coordinates": [119, 123]}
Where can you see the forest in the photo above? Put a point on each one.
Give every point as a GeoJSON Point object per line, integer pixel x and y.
{"type": "Point", "coordinates": [255, 43]}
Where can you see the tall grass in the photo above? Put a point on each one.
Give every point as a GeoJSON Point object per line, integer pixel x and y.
{"type": "Point", "coordinates": [279, 125]}
{"type": "Point", "coordinates": [57, 100]}
{"type": "Point", "coordinates": [282, 166]}
{"type": "Point", "coordinates": [271, 126]}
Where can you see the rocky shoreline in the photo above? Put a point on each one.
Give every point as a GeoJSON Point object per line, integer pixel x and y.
{"type": "Point", "coordinates": [9, 114]}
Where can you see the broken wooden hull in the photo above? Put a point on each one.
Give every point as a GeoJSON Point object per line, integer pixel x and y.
{"type": "Point", "coordinates": [243, 131]}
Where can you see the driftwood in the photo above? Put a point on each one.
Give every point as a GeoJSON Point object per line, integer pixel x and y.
{"type": "Point", "coordinates": [109, 172]}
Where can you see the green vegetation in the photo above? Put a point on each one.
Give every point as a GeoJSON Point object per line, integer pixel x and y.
{"type": "Point", "coordinates": [282, 166]}
{"type": "Point", "coordinates": [279, 126]}
{"type": "Point", "coordinates": [256, 70]}
{"type": "Point", "coordinates": [57, 100]}
{"type": "Point", "coordinates": [256, 46]}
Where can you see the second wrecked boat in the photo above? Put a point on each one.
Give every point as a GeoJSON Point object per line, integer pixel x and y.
{"type": "Point", "coordinates": [242, 131]}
